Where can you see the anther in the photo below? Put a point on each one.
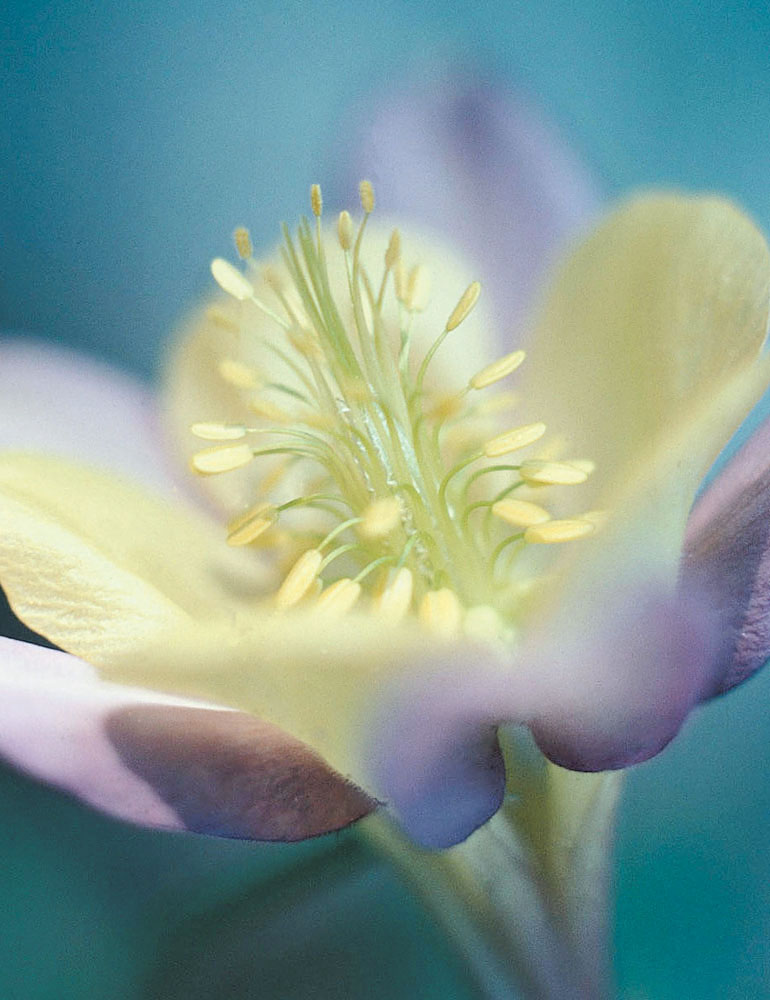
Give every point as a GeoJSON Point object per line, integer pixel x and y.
{"type": "Point", "coordinates": [242, 241]}
{"type": "Point", "coordinates": [339, 598]}
{"type": "Point", "coordinates": [539, 473]}
{"type": "Point", "coordinates": [237, 374]}
{"type": "Point", "coordinates": [299, 579]}
{"type": "Point", "coordinates": [211, 461]}
{"type": "Point", "coordinates": [395, 600]}
{"type": "Point", "coordinates": [440, 611]}
{"type": "Point", "coordinates": [231, 280]}
{"type": "Point", "coordinates": [418, 289]}
{"type": "Point", "coordinates": [345, 230]}
{"type": "Point", "coordinates": [269, 411]}
{"type": "Point", "coordinates": [467, 301]}
{"type": "Point", "coordinates": [366, 191]}
{"type": "Point", "coordinates": [520, 513]}
{"type": "Point", "coordinates": [380, 518]}
{"type": "Point", "coordinates": [498, 370]}
{"type": "Point", "coordinates": [249, 526]}
{"type": "Point", "coordinates": [218, 432]}
{"type": "Point", "coordinates": [518, 437]}
{"type": "Point", "coordinates": [316, 201]}
{"type": "Point", "coordinates": [393, 252]}
{"type": "Point", "coordinates": [400, 281]}
{"type": "Point", "coordinates": [558, 531]}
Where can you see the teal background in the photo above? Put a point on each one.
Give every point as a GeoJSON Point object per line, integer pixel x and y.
{"type": "Point", "coordinates": [135, 136]}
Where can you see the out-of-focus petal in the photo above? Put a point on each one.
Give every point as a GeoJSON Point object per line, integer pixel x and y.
{"type": "Point", "coordinates": [64, 403]}
{"type": "Point", "coordinates": [230, 330]}
{"type": "Point", "coordinates": [478, 165]}
{"type": "Point", "coordinates": [96, 564]}
{"type": "Point", "coordinates": [163, 762]}
{"type": "Point", "coordinates": [727, 557]}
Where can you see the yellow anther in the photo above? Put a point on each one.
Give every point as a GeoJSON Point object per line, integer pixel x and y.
{"type": "Point", "coordinates": [520, 513]}
{"type": "Point", "coordinates": [380, 518]}
{"type": "Point", "coordinates": [299, 579]}
{"type": "Point", "coordinates": [584, 464]}
{"type": "Point", "coordinates": [218, 432]}
{"type": "Point", "coordinates": [418, 289]}
{"type": "Point", "coordinates": [366, 191]}
{"type": "Point", "coordinates": [243, 243]}
{"type": "Point", "coordinates": [220, 318]}
{"type": "Point", "coordinates": [345, 230]}
{"type": "Point", "coordinates": [231, 280]}
{"type": "Point", "coordinates": [395, 600]}
{"type": "Point", "coordinates": [598, 518]}
{"type": "Point", "coordinates": [497, 370]}
{"type": "Point", "coordinates": [400, 281]}
{"type": "Point", "coordinates": [270, 411]}
{"type": "Point", "coordinates": [468, 300]}
{"type": "Point", "coordinates": [518, 437]}
{"type": "Point", "coordinates": [339, 597]}
{"type": "Point", "coordinates": [539, 473]}
{"type": "Point", "coordinates": [440, 611]}
{"type": "Point", "coordinates": [316, 201]}
{"type": "Point", "coordinates": [484, 623]}
{"type": "Point", "coordinates": [559, 531]}
{"type": "Point", "coordinates": [393, 252]}
{"type": "Point", "coordinates": [237, 374]}
{"type": "Point", "coordinates": [249, 526]}
{"type": "Point", "coordinates": [211, 461]}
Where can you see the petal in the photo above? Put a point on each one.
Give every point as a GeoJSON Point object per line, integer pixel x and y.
{"type": "Point", "coordinates": [162, 762]}
{"type": "Point", "coordinates": [94, 564]}
{"type": "Point", "coordinates": [479, 166]}
{"type": "Point", "coordinates": [727, 556]}
{"type": "Point", "coordinates": [236, 330]}
{"type": "Point", "coordinates": [73, 406]}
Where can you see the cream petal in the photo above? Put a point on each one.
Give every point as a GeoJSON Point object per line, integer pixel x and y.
{"type": "Point", "coordinates": [96, 565]}
{"type": "Point", "coordinates": [230, 330]}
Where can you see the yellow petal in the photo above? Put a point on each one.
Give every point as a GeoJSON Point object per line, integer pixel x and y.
{"type": "Point", "coordinates": [99, 566]}
{"type": "Point", "coordinates": [662, 306]}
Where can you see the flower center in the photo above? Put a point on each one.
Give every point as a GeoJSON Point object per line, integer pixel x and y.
{"type": "Point", "coordinates": [409, 502]}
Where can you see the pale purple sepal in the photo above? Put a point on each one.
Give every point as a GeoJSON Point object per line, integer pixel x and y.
{"type": "Point", "coordinates": [477, 164]}
{"type": "Point", "coordinates": [159, 761]}
{"type": "Point", "coordinates": [607, 695]}
{"type": "Point", "coordinates": [55, 400]}
{"type": "Point", "coordinates": [727, 556]}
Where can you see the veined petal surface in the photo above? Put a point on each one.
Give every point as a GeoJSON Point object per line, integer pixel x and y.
{"type": "Point", "coordinates": [97, 565]}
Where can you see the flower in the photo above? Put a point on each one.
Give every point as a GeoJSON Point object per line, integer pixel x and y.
{"type": "Point", "coordinates": [644, 360]}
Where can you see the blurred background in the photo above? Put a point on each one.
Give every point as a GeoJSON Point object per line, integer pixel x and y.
{"type": "Point", "coordinates": [135, 137]}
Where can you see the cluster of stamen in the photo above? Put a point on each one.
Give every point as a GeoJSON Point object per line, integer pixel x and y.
{"type": "Point", "coordinates": [400, 517]}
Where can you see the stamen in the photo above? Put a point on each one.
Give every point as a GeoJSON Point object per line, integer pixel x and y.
{"type": "Point", "coordinates": [316, 201]}
{"type": "Point", "coordinates": [558, 531]}
{"type": "Point", "coordinates": [218, 432]}
{"type": "Point", "coordinates": [339, 597]}
{"type": "Point", "coordinates": [345, 230]}
{"type": "Point", "coordinates": [238, 374]}
{"type": "Point", "coordinates": [299, 579]}
{"type": "Point", "coordinates": [440, 611]}
{"type": "Point", "coordinates": [418, 289]}
{"type": "Point", "coordinates": [242, 241]}
{"type": "Point", "coordinates": [395, 600]}
{"type": "Point", "coordinates": [249, 526]}
{"type": "Point", "coordinates": [393, 252]}
{"type": "Point", "coordinates": [539, 473]}
{"type": "Point", "coordinates": [498, 370]}
{"type": "Point", "coordinates": [514, 439]}
{"type": "Point", "coordinates": [231, 280]}
{"type": "Point", "coordinates": [212, 461]}
{"type": "Point", "coordinates": [520, 513]}
{"type": "Point", "coordinates": [464, 307]}
{"type": "Point", "coordinates": [380, 518]}
{"type": "Point", "coordinates": [366, 191]}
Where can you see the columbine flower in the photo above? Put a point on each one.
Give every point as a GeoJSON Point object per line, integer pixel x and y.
{"type": "Point", "coordinates": [421, 536]}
